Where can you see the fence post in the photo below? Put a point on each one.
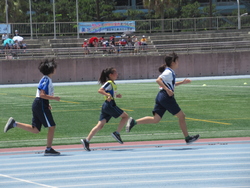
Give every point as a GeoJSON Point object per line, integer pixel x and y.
{"type": "Point", "coordinates": [194, 24]}
{"type": "Point", "coordinates": [150, 25]}
{"type": "Point", "coordinates": [172, 25]}
{"type": "Point", "coordinates": [217, 23]}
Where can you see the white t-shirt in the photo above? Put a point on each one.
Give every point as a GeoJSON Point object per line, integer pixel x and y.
{"type": "Point", "coordinates": [168, 78]}
{"type": "Point", "coordinates": [46, 85]}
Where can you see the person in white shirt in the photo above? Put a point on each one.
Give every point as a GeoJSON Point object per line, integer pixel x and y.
{"type": "Point", "coordinates": [165, 100]}
{"type": "Point", "coordinates": [4, 36]}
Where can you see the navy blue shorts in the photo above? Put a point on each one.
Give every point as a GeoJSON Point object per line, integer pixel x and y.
{"type": "Point", "coordinates": [41, 114]}
{"type": "Point", "coordinates": [109, 110]}
{"type": "Point", "coordinates": [163, 102]}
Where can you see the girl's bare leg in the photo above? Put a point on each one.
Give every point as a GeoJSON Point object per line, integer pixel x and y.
{"type": "Point", "coordinates": [149, 119]}
{"type": "Point", "coordinates": [27, 127]}
{"type": "Point", "coordinates": [123, 121]}
{"type": "Point", "coordinates": [50, 136]}
{"type": "Point", "coordinates": [182, 123]}
{"type": "Point", "coordinates": [98, 127]}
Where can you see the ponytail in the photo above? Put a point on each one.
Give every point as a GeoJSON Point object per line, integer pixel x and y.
{"type": "Point", "coordinates": [104, 77]}
{"type": "Point", "coordinates": [162, 68]}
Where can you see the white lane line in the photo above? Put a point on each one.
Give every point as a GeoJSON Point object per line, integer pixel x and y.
{"type": "Point", "coordinates": [144, 182]}
{"type": "Point", "coordinates": [124, 160]}
{"type": "Point", "coordinates": [88, 167]}
{"type": "Point", "coordinates": [26, 181]}
{"type": "Point", "coordinates": [182, 173]}
{"type": "Point", "coordinates": [150, 153]}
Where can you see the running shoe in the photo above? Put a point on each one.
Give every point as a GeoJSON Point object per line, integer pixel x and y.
{"type": "Point", "coordinates": [9, 124]}
{"type": "Point", "coordinates": [192, 139]}
{"type": "Point", "coordinates": [85, 144]}
{"type": "Point", "coordinates": [117, 137]}
{"type": "Point", "coordinates": [51, 152]}
{"type": "Point", "coordinates": [130, 124]}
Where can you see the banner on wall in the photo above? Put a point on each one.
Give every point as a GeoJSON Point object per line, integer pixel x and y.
{"type": "Point", "coordinates": [4, 28]}
{"type": "Point", "coordinates": [107, 27]}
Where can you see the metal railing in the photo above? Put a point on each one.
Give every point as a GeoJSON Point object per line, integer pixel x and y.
{"type": "Point", "coordinates": [142, 26]}
{"type": "Point", "coordinates": [79, 52]}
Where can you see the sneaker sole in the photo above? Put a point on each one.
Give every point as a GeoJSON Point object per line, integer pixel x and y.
{"type": "Point", "coordinates": [84, 146]}
{"type": "Point", "coordinates": [193, 141]}
{"type": "Point", "coordinates": [7, 124]}
{"type": "Point", "coordinates": [51, 154]}
{"type": "Point", "coordinates": [128, 124]}
{"type": "Point", "coordinates": [116, 139]}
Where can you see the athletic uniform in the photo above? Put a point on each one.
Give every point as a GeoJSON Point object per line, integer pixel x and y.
{"type": "Point", "coordinates": [109, 109]}
{"type": "Point", "coordinates": [163, 101]}
{"type": "Point", "coordinates": [40, 107]}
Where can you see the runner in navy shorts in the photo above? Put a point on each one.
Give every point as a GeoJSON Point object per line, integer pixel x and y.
{"type": "Point", "coordinates": [41, 114]}
{"type": "Point", "coordinates": [109, 107]}
{"type": "Point", "coordinates": [41, 108]}
{"type": "Point", "coordinates": [165, 99]}
{"type": "Point", "coordinates": [109, 110]}
{"type": "Point", "coordinates": [163, 102]}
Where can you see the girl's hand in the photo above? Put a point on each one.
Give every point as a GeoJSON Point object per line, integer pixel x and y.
{"type": "Point", "coordinates": [50, 107]}
{"type": "Point", "coordinates": [170, 93]}
{"type": "Point", "coordinates": [119, 96]}
{"type": "Point", "coordinates": [57, 98]}
{"type": "Point", "coordinates": [109, 98]}
{"type": "Point", "coordinates": [186, 81]}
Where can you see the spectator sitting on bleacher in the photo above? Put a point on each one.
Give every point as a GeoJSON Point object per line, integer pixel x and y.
{"type": "Point", "coordinates": [123, 42]}
{"type": "Point", "coordinates": [16, 45]}
{"type": "Point", "coordinates": [112, 40]}
{"type": "Point", "coordinates": [22, 45]}
{"type": "Point", "coordinates": [101, 40]}
{"type": "Point", "coordinates": [129, 41]}
{"type": "Point", "coordinates": [8, 41]}
{"type": "Point", "coordinates": [16, 33]}
{"type": "Point", "coordinates": [93, 42]}
{"type": "Point", "coordinates": [134, 38]}
{"type": "Point", "coordinates": [85, 47]}
{"type": "Point", "coordinates": [4, 36]}
{"type": "Point", "coordinates": [137, 45]}
{"type": "Point", "coordinates": [143, 42]}
{"type": "Point", "coordinates": [8, 51]}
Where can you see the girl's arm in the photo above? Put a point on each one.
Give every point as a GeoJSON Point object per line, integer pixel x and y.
{"type": "Point", "coordinates": [103, 92]}
{"type": "Point", "coordinates": [161, 84]}
{"type": "Point", "coordinates": [186, 81]}
{"type": "Point", "coordinates": [43, 95]}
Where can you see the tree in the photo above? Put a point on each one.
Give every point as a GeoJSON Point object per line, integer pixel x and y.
{"type": "Point", "coordinates": [90, 13]}
{"type": "Point", "coordinates": [16, 10]}
{"type": "Point", "coordinates": [191, 10]}
{"type": "Point", "coordinates": [159, 6]}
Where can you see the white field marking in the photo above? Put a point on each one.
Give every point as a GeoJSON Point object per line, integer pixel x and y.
{"type": "Point", "coordinates": [26, 181]}
{"type": "Point", "coordinates": [144, 182]}
{"type": "Point", "coordinates": [134, 174]}
{"type": "Point", "coordinates": [113, 162]}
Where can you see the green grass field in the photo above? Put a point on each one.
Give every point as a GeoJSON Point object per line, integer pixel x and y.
{"type": "Point", "coordinates": [219, 109]}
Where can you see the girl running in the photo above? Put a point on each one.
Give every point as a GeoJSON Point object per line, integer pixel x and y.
{"type": "Point", "coordinates": [41, 108]}
{"type": "Point", "coordinates": [109, 108]}
{"type": "Point", "coordinates": [165, 99]}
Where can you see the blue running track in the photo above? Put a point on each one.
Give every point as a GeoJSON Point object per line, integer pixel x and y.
{"type": "Point", "coordinates": [214, 164]}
